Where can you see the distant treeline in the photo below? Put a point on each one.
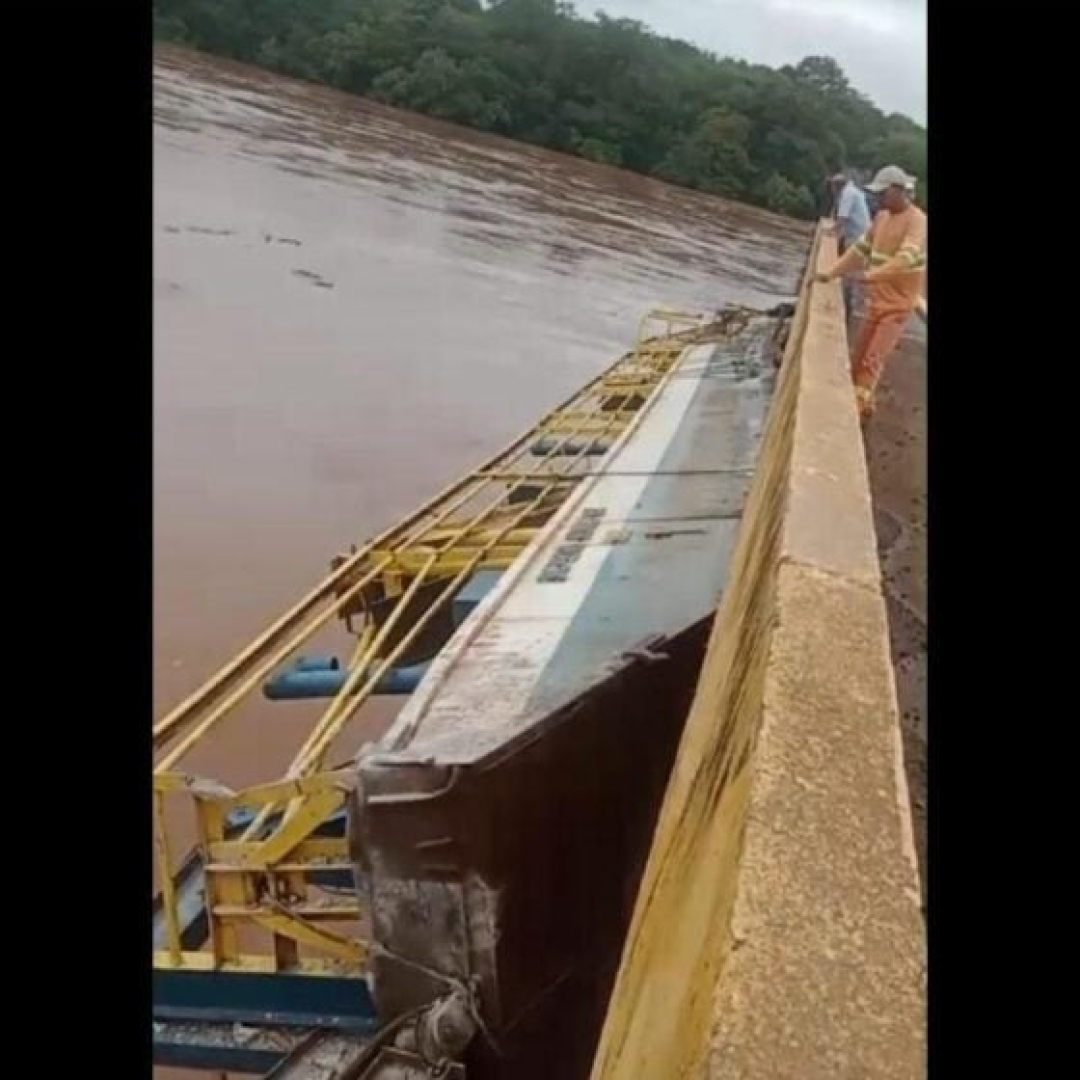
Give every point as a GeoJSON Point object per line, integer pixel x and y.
{"type": "Point", "coordinates": [607, 89]}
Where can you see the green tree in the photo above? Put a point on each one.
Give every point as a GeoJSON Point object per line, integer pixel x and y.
{"type": "Point", "coordinates": [605, 153]}
{"type": "Point", "coordinates": [782, 196]}
{"type": "Point", "coordinates": [608, 89]}
{"type": "Point", "coordinates": [713, 156]}
{"type": "Point", "coordinates": [821, 74]}
{"type": "Point", "coordinates": [441, 86]}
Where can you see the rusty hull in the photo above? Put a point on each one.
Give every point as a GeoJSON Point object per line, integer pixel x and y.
{"type": "Point", "coordinates": [517, 873]}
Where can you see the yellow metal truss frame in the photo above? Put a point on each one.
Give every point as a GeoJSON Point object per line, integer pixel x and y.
{"type": "Point", "coordinates": [261, 879]}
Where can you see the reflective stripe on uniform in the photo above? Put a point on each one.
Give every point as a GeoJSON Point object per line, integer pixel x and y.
{"type": "Point", "coordinates": [911, 254]}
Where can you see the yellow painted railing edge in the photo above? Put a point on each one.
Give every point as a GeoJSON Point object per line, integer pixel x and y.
{"type": "Point", "coordinates": [777, 933]}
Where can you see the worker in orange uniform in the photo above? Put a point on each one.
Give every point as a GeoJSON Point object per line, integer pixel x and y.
{"type": "Point", "coordinates": [893, 250]}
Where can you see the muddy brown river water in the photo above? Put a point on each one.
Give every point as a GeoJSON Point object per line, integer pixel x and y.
{"type": "Point", "coordinates": [352, 306]}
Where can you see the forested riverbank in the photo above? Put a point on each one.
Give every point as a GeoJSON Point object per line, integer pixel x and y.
{"type": "Point", "coordinates": [610, 90]}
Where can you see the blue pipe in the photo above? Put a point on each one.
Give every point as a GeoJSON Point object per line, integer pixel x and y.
{"type": "Point", "coordinates": [304, 684]}
{"type": "Point", "coordinates": [296, 684]}
{"type": "Point", "coordinates": [311, 677]}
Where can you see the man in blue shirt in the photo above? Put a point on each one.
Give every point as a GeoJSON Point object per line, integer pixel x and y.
{"type": "Point", "coordinates": [852, 213]}
{"type": "Point", "coordinates": [852, 221]}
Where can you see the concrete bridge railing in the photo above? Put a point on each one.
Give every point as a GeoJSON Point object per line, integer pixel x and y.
{"type": "Point", "coordinates": [778, 933]}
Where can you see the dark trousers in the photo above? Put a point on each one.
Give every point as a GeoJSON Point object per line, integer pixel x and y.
{"type": "Point", "coordinates": [847, 287]}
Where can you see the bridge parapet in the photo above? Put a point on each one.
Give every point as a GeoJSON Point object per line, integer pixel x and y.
{"type": "Point", "coordinates": [778, 931]}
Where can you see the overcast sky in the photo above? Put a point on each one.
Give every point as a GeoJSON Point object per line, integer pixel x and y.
{"type": "Point", "coordinates": [880, 44]}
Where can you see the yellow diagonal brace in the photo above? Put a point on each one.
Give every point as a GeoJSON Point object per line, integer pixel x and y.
{"type": "Point", "coordinates": [348, 949]}
{"type": "Point", "coordinates": [338, 780]}
{"type": "Point", "coordinates": [313, 854]}
{"type": "Point", "coordinates": [310, 813]}
{"type": "Point", "coordinates": [451, 564]}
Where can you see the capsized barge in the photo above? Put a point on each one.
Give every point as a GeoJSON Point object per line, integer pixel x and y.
{"type": "Point", "coordinates": [453, 901]}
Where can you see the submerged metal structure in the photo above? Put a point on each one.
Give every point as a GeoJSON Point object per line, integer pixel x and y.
{"type": "Point", "coordinates": [453, 901]}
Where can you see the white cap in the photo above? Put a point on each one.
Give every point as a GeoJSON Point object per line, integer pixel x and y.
{"type": "Point", "coordinates": [891, 176]}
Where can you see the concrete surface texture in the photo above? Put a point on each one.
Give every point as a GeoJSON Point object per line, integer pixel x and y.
{"type": "Point", "coordinates": [778, 932]}
{"type": "Point", "coordinates": [896, 459]}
